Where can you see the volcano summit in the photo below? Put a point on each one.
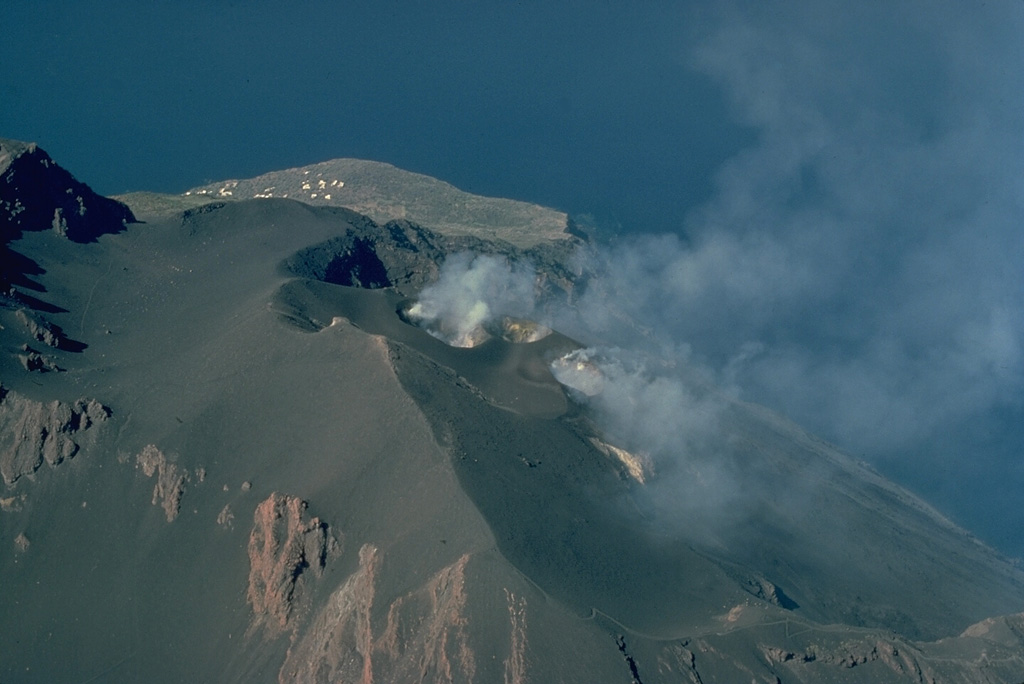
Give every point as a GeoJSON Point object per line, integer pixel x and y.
{"type": "Point", "coordinates": [232, 453]}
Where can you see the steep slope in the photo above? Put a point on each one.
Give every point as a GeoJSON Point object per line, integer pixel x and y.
{"type": "Point", "coordinates": [291, 483]}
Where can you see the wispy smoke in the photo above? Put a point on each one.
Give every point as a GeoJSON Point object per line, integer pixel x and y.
{"type": "Point", "coordinates": [643, 403]}
{"type": "Point", "coordinates": [473, 291]}
{"type": "Point", "coordinates": [860, 267]}
{"type": "Point", "coordinates": [668, 416]}
{"type": "Point", "coordinates": [877, 224]}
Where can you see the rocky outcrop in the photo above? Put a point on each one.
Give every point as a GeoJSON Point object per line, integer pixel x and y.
{"type": "Point", "coordinates": [31, 360]}
{"type": "Point", "coordinates": [849, 654]}
{"type": "Point", "coordinates": [33, 432]}
{"type": "Point", "coordinates": [768, 591]}
{"type": "Point", "coordinates": [425, 637]}
{"type": "Point", "coordinates": [39, 328]}
{"type": "Point", "coordinates": [338, 645]}
{"type": "Point", "coordinates": [634, 672]}
{"type": "Point", "coordinates": [13, 504]}
{"type": "Point", "coordinates": [515, 663]}
{"type": "Point", "coordinates": [427, 633]}
{"type": "Point", "coordinates": [226, 519]}
{"type": "Point", "coordinates": [42, 330]}
{"type": "Point", "coordinates": [284, 548]}
{"type": "Point", "coordinates": [1007, 630]}
{"type": "Point", "coordinates": [37, 194]}
{"type": "Point", "coordinates": [170, 479]}
{"type": "Point", "coordinates": [783, 650]}
{"type": "Point", "coordinates": [370, 256]}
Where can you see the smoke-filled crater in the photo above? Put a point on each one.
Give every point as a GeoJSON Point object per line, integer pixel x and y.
{"type": "Point", "coordinates": [474, 329]}
{"type": "Point", "coordinates": [478, 297]}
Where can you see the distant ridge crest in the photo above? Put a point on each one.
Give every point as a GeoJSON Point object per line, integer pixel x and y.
{"type": "Point", "coordinates": [386, 193]}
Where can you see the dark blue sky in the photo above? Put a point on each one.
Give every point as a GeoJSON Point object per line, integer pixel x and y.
{"type": "Point", "coordinates": [847, 175]}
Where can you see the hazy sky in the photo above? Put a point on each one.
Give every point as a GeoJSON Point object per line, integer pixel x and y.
{"type": "Point", "coordinates": [834, 191]}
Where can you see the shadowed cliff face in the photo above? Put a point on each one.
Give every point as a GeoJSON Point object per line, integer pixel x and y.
{"type": "Point", "coordinates": [36, 193]}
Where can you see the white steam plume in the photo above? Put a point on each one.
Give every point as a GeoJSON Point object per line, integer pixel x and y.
{"type": "Point", "coordinates": [859, 267]}
{"type": "Point", "coordinates": [472, 291]}
{"type": "Point", "coordinates": [668, 415]}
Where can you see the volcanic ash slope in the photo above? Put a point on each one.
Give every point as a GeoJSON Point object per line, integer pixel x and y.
{"type": "Point", "coordinates": [282, 480]}
{"type": "Point", "coordinates": [264, 502]}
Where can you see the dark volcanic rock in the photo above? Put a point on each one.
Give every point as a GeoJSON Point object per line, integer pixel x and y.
{"type": "Point", "coordinates": [37, 194]}
{"type": "Point", "coordinates": [46, 332]}
{"type": "Point", "coordinates": [767, 651]}
{"type": "Point", "coordinates": [32, 360]}
{"type": "Point", "coordinates": [368, 256]}
{"type": "Point", "coordinates": [32, 432]}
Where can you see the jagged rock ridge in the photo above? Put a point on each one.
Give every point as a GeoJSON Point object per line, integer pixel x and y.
{"type": "Point", "coordinates": [773, 648]}
{"type": "Point", "coordinates": [36, 193]}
